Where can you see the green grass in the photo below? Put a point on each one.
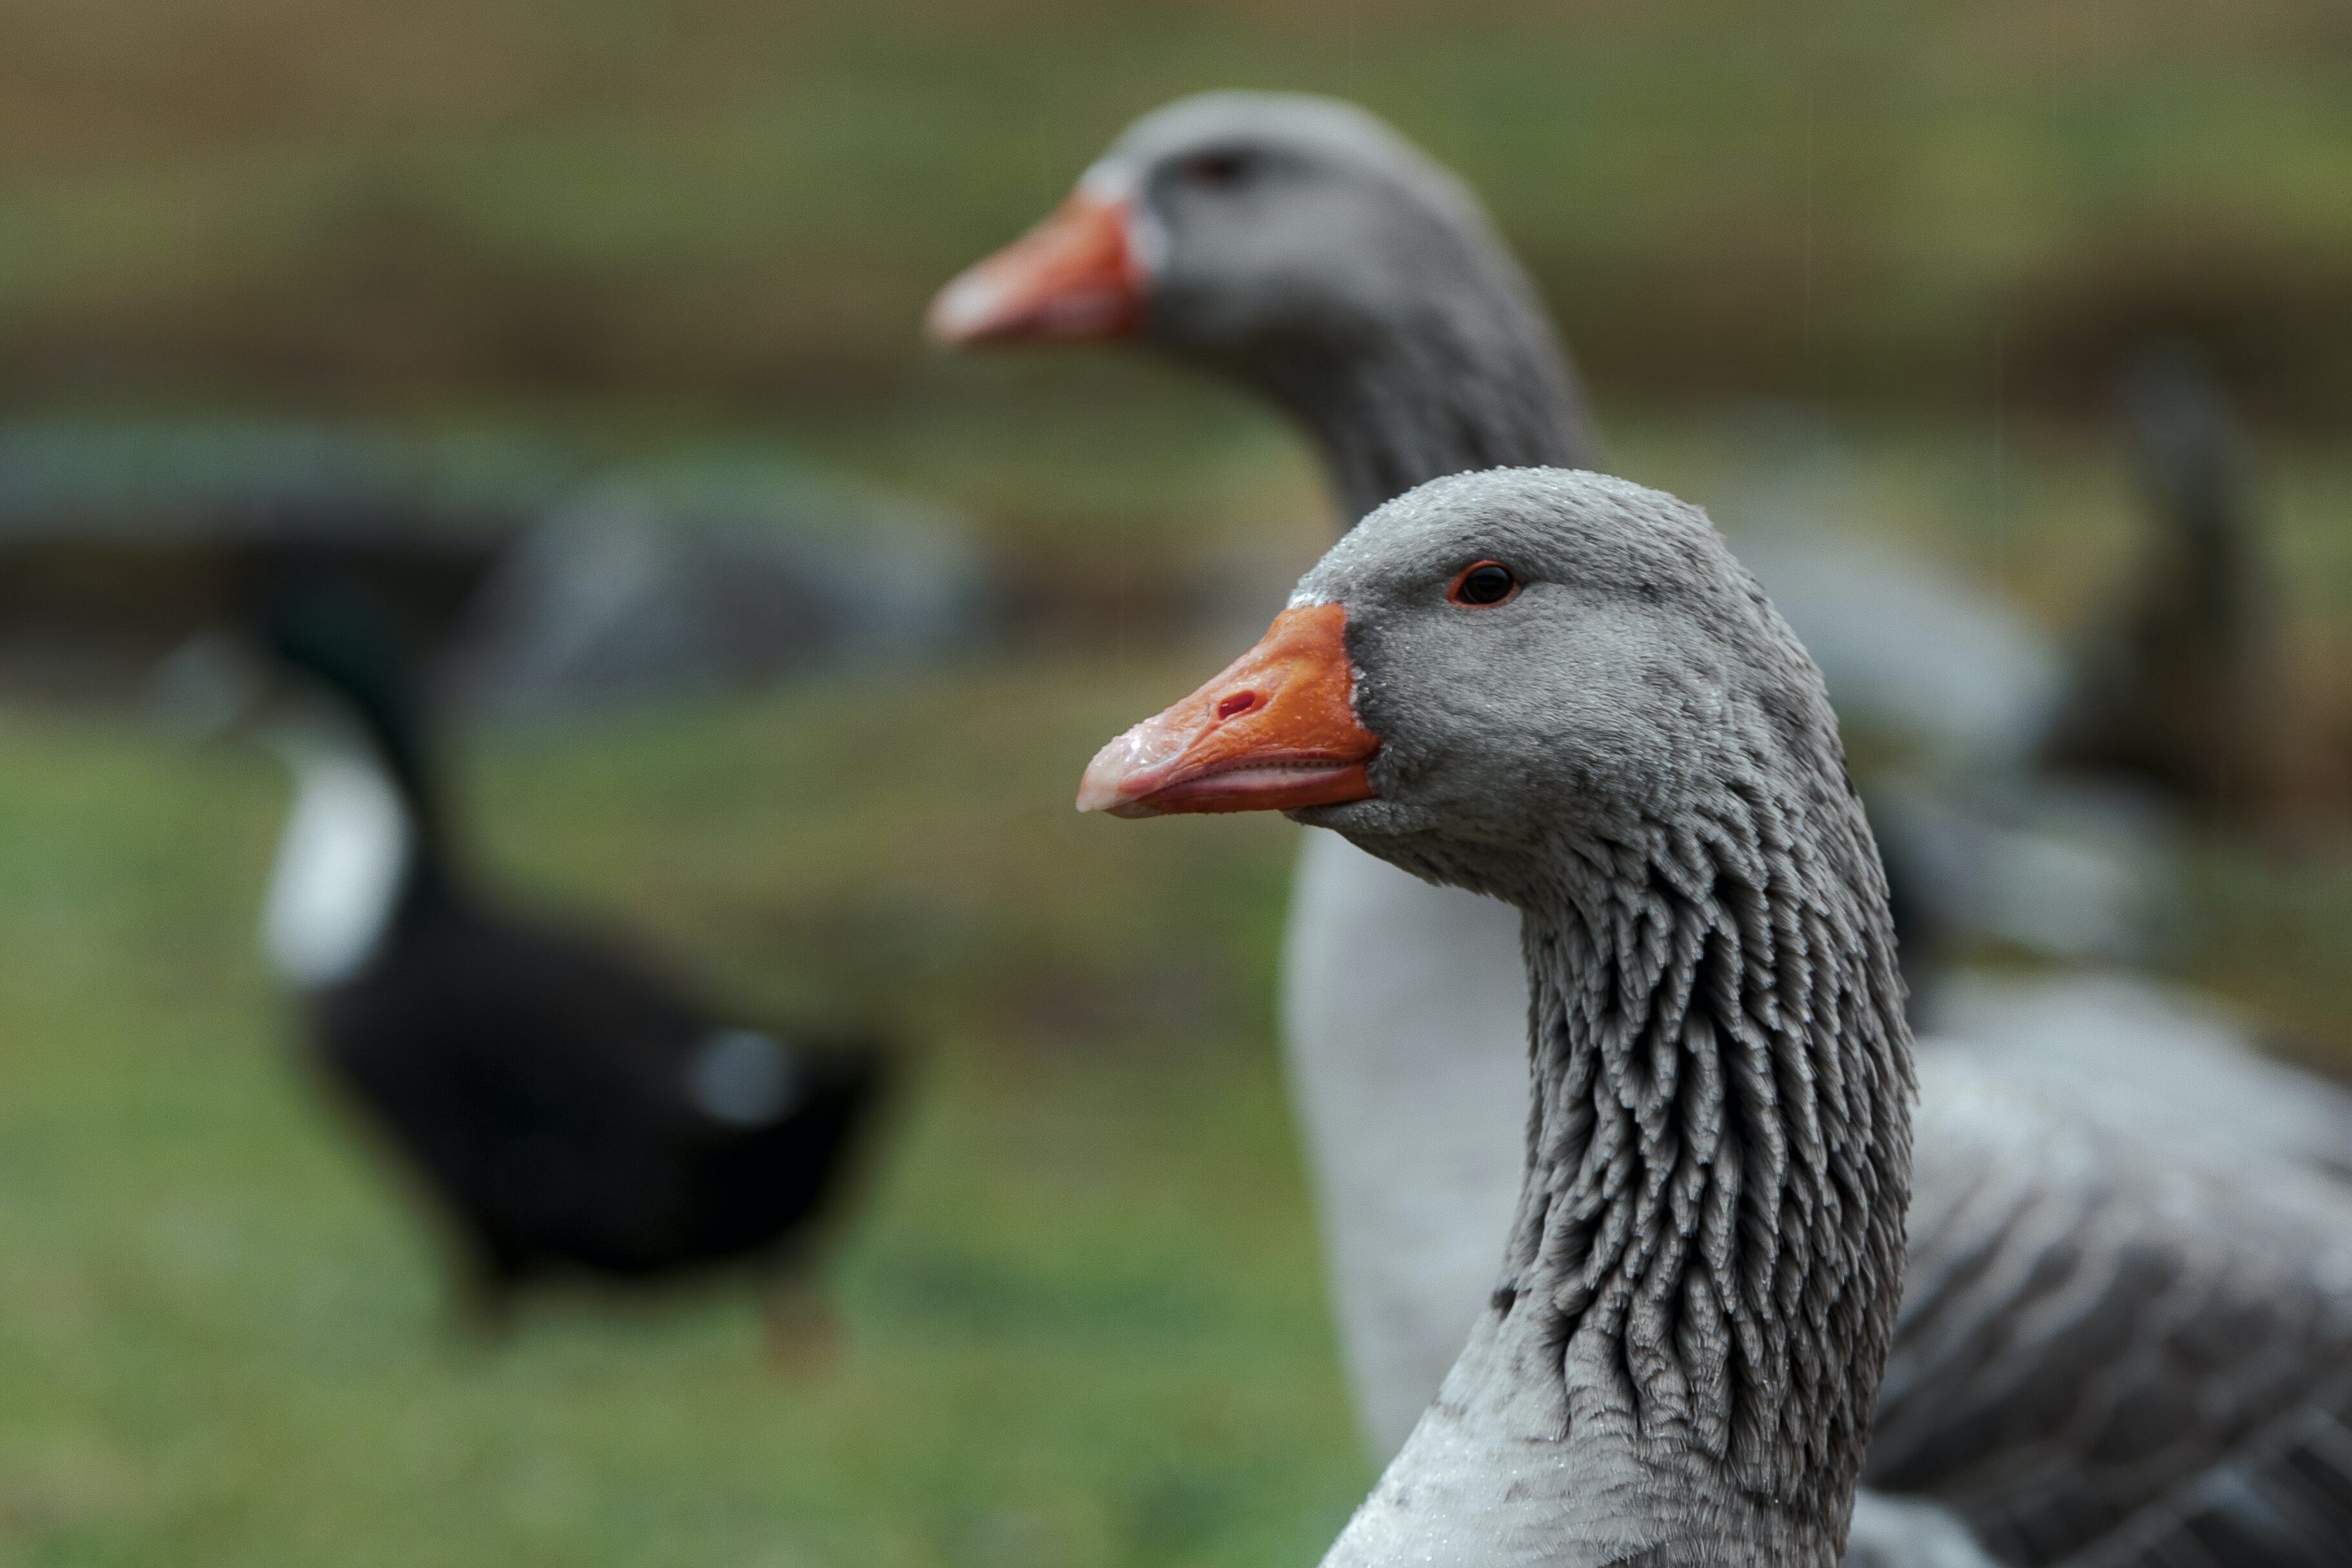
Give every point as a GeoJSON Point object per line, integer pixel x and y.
{"type": "Point", "coordinates": [1084, 1321]}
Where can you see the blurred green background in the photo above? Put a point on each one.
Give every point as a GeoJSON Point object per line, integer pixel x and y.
{"type": "Point", "coordinates": [1084, 1319]}
{"type": "Point", "coordinates": [737, 202]}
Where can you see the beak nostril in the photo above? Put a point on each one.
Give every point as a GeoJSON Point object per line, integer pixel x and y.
{"type": "Point", "coordinates": [1274, 731]}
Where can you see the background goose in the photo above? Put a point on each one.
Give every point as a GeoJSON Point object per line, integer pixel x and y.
{"type": "Point", "coordinates": [570, 1111]}
{"type": "Point", "coordinates": [1559, 687]}
{"type": "Point", "coordinates": [1560, 690]}
{"type": "Point", "coordinates": [1303, 247]}
{"type": "Point", "coordinates": [2174, 687]}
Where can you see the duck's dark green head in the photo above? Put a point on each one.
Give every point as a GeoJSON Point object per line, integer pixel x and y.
{"type": "Point", "coordinates": [337, 642]}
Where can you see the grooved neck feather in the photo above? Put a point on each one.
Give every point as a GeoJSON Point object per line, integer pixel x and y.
{"type": "Point", "coordinates": [1679, 1362]}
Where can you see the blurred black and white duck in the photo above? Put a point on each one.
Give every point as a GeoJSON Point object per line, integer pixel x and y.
{"type": "Point", "coordinates": [571, 1110]}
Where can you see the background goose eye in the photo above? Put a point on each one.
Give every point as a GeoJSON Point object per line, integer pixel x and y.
{"type": "Point", "coordinates": [1217, 169]}
{"type": "Point", "coordinates": [1487, 582]}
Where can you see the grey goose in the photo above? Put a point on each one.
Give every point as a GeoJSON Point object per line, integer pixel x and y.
{"type": "Point", "coordinates": [1560, 690]}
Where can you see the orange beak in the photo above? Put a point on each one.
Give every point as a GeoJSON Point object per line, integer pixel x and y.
{"type": "Point", "coordinates": [1072, 276]}
{"type": "Point", "coordinates": [1276, 731]}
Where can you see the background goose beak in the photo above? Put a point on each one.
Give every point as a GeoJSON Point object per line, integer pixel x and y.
{"type": "Point", "coordinates": [1276, 731]}
{"type": "Point", "coordinates": [1076, 275]}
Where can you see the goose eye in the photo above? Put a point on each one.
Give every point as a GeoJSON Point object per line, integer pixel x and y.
{"type": "Point", "coordinates": [1487, 582]}
{"type": "Point", "coordinates": [1217, 170]}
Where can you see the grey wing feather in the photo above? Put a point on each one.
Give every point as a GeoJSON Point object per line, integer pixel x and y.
{"type": "Point", "coordinates": [2162, 1060]}
{"type": "Point", "coordinates": [2094, 1324]}
{"type": "Point", "coordinates": [2282, 1501]}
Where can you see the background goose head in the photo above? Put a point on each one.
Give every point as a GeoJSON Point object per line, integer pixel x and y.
{"type": "Point", "coordinates": [1560, 689]}
{"type": "Point", "coordinates": [1304, 248]}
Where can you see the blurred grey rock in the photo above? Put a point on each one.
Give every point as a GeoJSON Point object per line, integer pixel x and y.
{"type": "Point", "coordinates": [1946, 693]}
{"type": "Point", "coordinates": [2066, 871]}
{"type": "Point", "coordinates": [700, 577]}
{"type": "Point", "coordinates": [1909, 1532]}
{"type": "Point", "coordinates": [1914, 653]}
{"type": "Point", "coordinates": [1910, 650]}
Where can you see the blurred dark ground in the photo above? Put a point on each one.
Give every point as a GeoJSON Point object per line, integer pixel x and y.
{"type": "Point", "coordinates": [509, 261]}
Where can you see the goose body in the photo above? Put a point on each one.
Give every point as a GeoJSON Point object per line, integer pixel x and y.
{"type": "Point", "coordinates": [569, 1110]}
{"type": "Point", "coordinates": [1413, 1190]}
{"type": "Point", "coordinates": [1286, 242]}
{"type": "Point", "coordinates": [575, 1114]}
{"type": "Point", "coordinates": [2117, 1347]}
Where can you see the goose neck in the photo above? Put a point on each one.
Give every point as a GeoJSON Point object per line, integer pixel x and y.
{"type": "Point", "coordinates": [1681, 1356]}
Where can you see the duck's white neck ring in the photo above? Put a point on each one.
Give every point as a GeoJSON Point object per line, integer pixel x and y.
{"type": "Point", "coordinates": [343, 859]}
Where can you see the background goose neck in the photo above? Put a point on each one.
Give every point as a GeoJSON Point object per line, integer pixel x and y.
{"type": "Point", "coordinates": [1472, 378]}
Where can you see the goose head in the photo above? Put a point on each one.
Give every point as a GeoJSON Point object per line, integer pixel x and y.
{"type": "Point", "coordinates": [1498, 669]}
{"type": "Point", "coordinates": [1302, 247]}
{"type": "Point", "coordinates": [1224, 223]}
